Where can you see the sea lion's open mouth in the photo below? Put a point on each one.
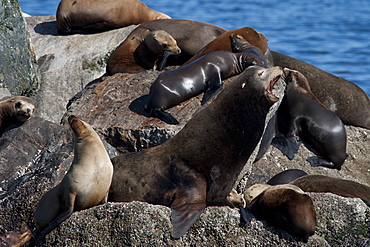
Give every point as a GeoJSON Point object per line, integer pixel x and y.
{"type": "Point", "coordinates": [270, 89]}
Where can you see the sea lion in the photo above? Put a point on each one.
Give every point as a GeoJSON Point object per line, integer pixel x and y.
{"type": "Point", "coordinates": [203, 75]}
{"type": "Point", "coordinates": [17, 109]}
{"type": "Point", "coordinates": [191, 36]}
{"type": "Point", "coordinates": [85, 185]}
{"type": "Point", "coordinates": [285, 206]}
{"type": "Point", "coordinates": [283, 203]}
{"type": "Point", "coordinates": [102, 15]}
{"type": "Point", "coordinates": [302, 117]}
{"type": "Point", "coordinates": [142, 50]}
{"type": "Point", "coordinates": [192, 170]}
{"type": "Point", "coordinates": [15, 238]}
{"type": "Point", "coordinates": [286, 176]}
{"type": "Point", "coordinates": [236, 199]}
{"type": "Point", "coordinates": [223, 43]}
{"type": "Point", "coordinates": [349, 102]}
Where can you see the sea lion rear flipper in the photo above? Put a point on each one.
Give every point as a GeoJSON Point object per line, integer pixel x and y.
{"type": "Point", "coordinates": [288, 146]}
{"type": "Point", "coordinates": [214, 85]}
{"type": "Point", "coordinates": [165, 116]}
{"type": "Point", "coordinates": [319, 161]}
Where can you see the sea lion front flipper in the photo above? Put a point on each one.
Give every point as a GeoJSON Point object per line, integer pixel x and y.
{"type": "Point", "coordinates": [246, 216]}
{"type": "Point", "coordinates": [188, 205]}
{"type": "Point", "coordinates": [319, 161]}
{"type": "Point", "coordinates": [288, 146]}
{"type": "Point", "coordinates": [165, 116]}
{"type": "Point", "coordinates": [214, 85]}
{"type": "Point", "coordinates": [161, 63]}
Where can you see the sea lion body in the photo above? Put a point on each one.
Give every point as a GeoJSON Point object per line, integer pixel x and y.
{"type": "Point", "coordinates": [223, 43]}
{"type": "Point", "coordinates": [204, 75]}
{"type": "Point", "coordinates": [191, 36]}
{"type": "Point", "coordinates": [15, 110]}
{"type": "Point", "coordinates": [286, 176]}
{"type": "Point", "coordinates": [301, 116]}
{"type": "Point", "coordinates": [192, 170]}
{"type": "Point", "coordinates": [142, 50]}
{"type": "Point", "coordinates": [286, 206]}
{"type": "Point", "coordinates": [101, 15]}
{"type": "Point", "coordinates": [349, 102]}
{"type": "Point", "coordinates": [85, 185]}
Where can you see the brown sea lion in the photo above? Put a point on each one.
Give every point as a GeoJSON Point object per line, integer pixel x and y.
{"type": "Point", "coordinates": [349, 102]}
{"type": "Point", "coordinates": [236, 199]}
{"type": "Point", "coordinates": [285, 206]}
{"type": "Point", "coordinates": [192, 170]}
{"type": "Point", "coordinates": [102, 15]}
{"type": "Point", "coordinates": [15, 238]}
{"type": "Point", "coordinates": [85, 185]}
{"type": "Point", "coordinates": [142, 49]}
{"type": "Point", "coordinates": [302, 117]}
{"type": "Point", "coordinates": [15, 110]}
{"type": "Point", "coordinates": [191, 36]}
{"type": "Point", "coordinates": [204, 75]}
{"type": "Point", "coordinates": [223, 43]}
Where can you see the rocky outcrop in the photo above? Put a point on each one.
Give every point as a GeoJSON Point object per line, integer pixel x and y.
{"type": "Point", "coordinates": [18, 68]}
{"type": "Point", "coordinates": [67, 63]}
{"type": "Point", "coordinates": [34, 157]}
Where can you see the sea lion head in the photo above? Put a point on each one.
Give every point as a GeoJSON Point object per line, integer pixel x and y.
{"type": "Point", "coordinates": [159, 42]}
{"type": "Point", "coordinates": [238, 43]}
{"type": "Point", "coordinates": [270, 79]}
{"type": "Point", "coordinates": [24, 108]}
{"type": "Point", "coordinates": [254, 191]}
{"type": "Point", "coordinates": [79, 127]}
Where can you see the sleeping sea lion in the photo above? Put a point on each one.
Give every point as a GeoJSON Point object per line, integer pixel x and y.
{"type": "Point", "coordinates": [203, 75]}
{"type": "Point", "coordinates": [102, 15]}
{"type": "Point", "coordinates": [223, 43]}
{"type": "Point", "coordinates": [142, 49]}
{"type": "Point", "coordinates": [192, 170]}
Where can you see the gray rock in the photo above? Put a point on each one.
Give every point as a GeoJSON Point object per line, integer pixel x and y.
{"type": "Point", "coordinates": [67, 63]}
{"type": "Point", "coordinates": [18, 68]}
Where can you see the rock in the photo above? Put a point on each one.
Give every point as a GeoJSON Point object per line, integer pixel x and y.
{"type": "Point", "coordinates": [18, 68]}
{"type": "Point", "coordinates": [67, 63]}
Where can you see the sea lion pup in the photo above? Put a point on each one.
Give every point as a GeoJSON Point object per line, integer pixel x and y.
{"type": "Point", "coordinates": [191, 36]}
{"type": "Point", "coordinates": [15, 238]}
{"type": "Point", "coordinates": [203, 75]}
{"type": "Point", "coordinates": [85, 185]}
{"type": "Point", "coordinates": [222, 42]}
{"type": "Point", "coordinates": [349, 102]}
{"type": "Point", "coordinates": [285, 206]}
{"type": "Point", "coordinates": [142, 49]}
{"type": "Point", "coordinates": [192, 170]}
{"type": "Point", "coordinates": [302, 117]}
{"type": "Point", "coordinates": [102, 15]}
{"type": "Point", "coordinates": [17, 109]}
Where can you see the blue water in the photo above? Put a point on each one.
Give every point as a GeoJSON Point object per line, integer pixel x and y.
{"type": "Point", "coordinates": [333, 35]}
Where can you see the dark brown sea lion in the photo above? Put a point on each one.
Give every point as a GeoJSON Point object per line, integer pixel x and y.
{"type": "Point", "coordinates": [203, 75]}
{"type": "Point", "coordinates": [101, 15]}
{"type": "Point", "coordinates": [191, 36]}
{"type": "Point", "coordinates": [349, 102]}
{"type": "Point", "coordinates": [142, 49]}
{"type": "Point", "coordinates": [285, 206]}
{"type": "Point", "coordinates": [223, 43]}
{"type": "Point", "coordinates": [192, 170]}
{"type": "Point", "coordinates": [302, 117]}
{"type": "Point", "coordinates": [286, 176]}
{"type": "Point", "coordinates": [16, 109]}
{"type": "Point", "coordinates": [85, 185]}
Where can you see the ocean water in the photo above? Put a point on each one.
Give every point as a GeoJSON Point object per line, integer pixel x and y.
{"type": "Point", "coordinates": [333, 35]}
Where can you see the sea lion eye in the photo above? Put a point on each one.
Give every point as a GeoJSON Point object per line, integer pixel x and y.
{"type": "Point", "coordinates": [18, 104]}
{"type": "Point", "coordinates": [261, 73]}
{"type": "Point", "coordinates": [165, 45]}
